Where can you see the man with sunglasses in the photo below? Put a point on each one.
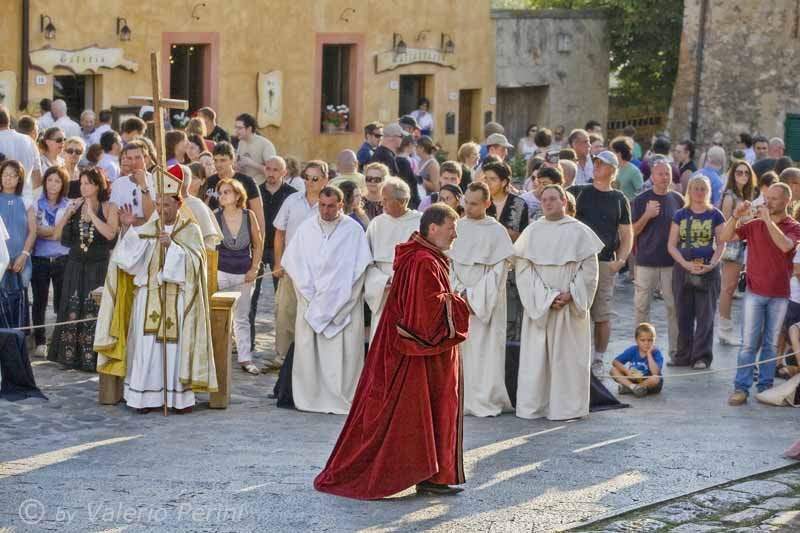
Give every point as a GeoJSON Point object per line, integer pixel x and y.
{"type": "Point", "coordinates": [295, 210]}
{"type": "Point", "coordinates": [386, 153]}
{"type": "Point", "coordinates": [373, 133]}
{"type": "Point", "coordinates": [14, 145]}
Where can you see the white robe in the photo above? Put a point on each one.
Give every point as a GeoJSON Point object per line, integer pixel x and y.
{"type": "Point", "coordinates": [144, 376]}
{"type": "Point", "coordinates": [384, 233]}
{"type": "Point", "coordinates": [555, 350]}
{"type": "Point", "coordinates": [480, 266]}
{"type": "Point", "coordinates": [327, 266]}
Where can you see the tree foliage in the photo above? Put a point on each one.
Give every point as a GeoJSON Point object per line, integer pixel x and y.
{"type": "Point", "coordinates": [644, 39]}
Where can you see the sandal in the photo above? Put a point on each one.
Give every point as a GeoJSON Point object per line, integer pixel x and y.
{"type": "Point", "coordinates": [783, 372]}
{"type": "Point", "coordinates": [250, 368]}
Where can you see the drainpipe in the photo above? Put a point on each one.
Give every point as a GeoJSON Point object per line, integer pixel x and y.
{"type": "Point", "coordinates": [701, 43]}
{"type": "Point", "coordinates": [25, 47]}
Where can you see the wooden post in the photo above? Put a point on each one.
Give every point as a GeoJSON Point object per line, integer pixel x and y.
{"type": "Point", "coordinates": [111, 388]}
{"type": "Point", "coordinates": [221, 333]}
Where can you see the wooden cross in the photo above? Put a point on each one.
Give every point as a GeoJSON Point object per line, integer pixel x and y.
{"type": "Point", "coordinates": [159, 104]}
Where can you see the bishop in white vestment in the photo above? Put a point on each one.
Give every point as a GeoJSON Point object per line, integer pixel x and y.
{"type": "Point", "coordinates": [480, 259]}
{"type": "Point", "coordinates": [384, 233]}
{"type": "Point", "coordinates": [556, 269]}
{"type": "Point", "coordinates": [326, 261]}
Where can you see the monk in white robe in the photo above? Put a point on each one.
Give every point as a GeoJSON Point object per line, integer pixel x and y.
{"type": "Point", "coordinates": [480, 259]}
{"type": "Point", "coordinates": [133, 293]}
{"type": "Point", "coordinates": [556, 268]}
{"type": "Point", "coordinates": [326, 262]}
{"type": "Point", "coordinates": [384, 233]}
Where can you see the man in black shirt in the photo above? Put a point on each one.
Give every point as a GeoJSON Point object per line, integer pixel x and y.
{"type": "Point", "coordinates": [214, 131]}
{"type": "Point", "coordinates": [607, 212]}
{"type": "Point", "coordinates": [385, 153]}
{"type": "Point", "coordinates": [273, 192]}
{"type": "Point", "coordinates": [224, 156]}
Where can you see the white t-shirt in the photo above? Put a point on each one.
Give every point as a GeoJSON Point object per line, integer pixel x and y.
{"type": "Point", "coordinates": [259, 149]}
{"type": "Point", "coordinates": [297, 183]}
{"type": "Point", "coordinates": [94, 138]}
{"type": "Point", "coordinates": [110, 165]}
{"type": "Point", "coordinates": [126, 192]}
{"type": "Point", "coordinates": [69, 127]}
{"type": "Point", "coordinates": [293, 212]}
{"type": "Point", "coordinates": [17, 146]}
{"type": "Point", "coordinates": [794, 283]}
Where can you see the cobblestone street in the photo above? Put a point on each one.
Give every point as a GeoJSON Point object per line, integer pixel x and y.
{"type": "Point", "coordinates": [71, 464]}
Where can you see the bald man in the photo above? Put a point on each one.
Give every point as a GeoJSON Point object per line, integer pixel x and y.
{"type": "Point", "coordinates": [274, 191]}
{"type": "Point", "coordinates": [347, 170]}
{"type": "Point", "coordinates": [62, 120]}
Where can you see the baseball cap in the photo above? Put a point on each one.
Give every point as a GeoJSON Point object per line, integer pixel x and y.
{"type": "Point", "coordinates": [498, 139]}
{"type": "Point", "coordinates": [394, 130]}
{"type": "Point", "coordinates": [608, 157]}
{"type": "Point", "coordinates": [408, 120]}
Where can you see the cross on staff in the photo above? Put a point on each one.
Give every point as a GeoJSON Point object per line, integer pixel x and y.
{"type": "Point", "coordinates": [159, 105]}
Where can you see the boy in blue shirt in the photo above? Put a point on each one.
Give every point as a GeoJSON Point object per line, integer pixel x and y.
{"type": "Point", "coordinates": [638, 369]}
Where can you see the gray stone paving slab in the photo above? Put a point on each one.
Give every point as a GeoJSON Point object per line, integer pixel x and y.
{"type": "Point", "coordinates": [784, 518]}
{"type": "Point", "coordinates": [724, 500]}
{"type": "Point", "coordinates": [681, 512]}
{"type": "Point", "coordinates": [250, 468]}
{"type": "Point", "coordinates": [763, 489]}
{"type": "Point", "coordinates": [748, 516]}
{"type": "Point", "coordinates": [698, 528]}
{"type": "Point", "coordinates": [788, 478]}
{"type": "Point", "coordinates": [780, 504]}
{"type": "Point", "coordinates": [643, 525]}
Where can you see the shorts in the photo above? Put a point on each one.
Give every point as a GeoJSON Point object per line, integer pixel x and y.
{"type": "Point", "coordinates": [601, 307]}
{"type": "Point", "coordinates": [792, 315]}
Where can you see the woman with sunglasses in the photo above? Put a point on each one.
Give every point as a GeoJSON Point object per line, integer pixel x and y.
{"type": "Point", "coordinates": [74, 147]}
{"type": "Point", "coordinates": [374, 174]}
{"type": "Point", "coordinates": [740, 187]}
{"type": "Point", "coordinates": [90, 233]}
{"type": "Point", "coordinates": [51, 145]}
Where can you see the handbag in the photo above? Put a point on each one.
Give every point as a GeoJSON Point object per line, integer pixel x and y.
{"type": "Point", "coordinates": [14, 309]}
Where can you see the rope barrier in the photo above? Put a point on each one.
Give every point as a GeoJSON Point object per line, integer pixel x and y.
{"type": "Point", "coordinates": [94, 319]}
{"type": "Point", "coordinates": [705, 372]}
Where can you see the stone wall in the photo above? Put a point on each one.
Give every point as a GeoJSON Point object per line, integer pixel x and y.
{"type": "Point", "coordinates": [563, 51]}
{"type": "Point", "coordinates": [749, 75]}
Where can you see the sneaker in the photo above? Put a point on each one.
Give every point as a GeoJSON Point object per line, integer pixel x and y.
{"type": "Point", "coordinates": [738, 397]}
{"type": "Point", "coordinates": [700, 365]}
{"type": "Point", "coordinates": [622, 389]}
{"type": "Point", "coordinates": [41, 351]}
{"type": "Point", "coordinates": [639, 391]}
{"type": "Point", "coordinates": [728, 337]}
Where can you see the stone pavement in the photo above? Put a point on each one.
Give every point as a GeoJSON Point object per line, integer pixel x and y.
{"type": "Point", "coordinates": [72, 465]}
{"type": "Point", "coordinates": [769, 503]}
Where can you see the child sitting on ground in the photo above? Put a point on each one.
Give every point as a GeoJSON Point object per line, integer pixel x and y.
{"type": "Point", "coordinates": [638, 369]}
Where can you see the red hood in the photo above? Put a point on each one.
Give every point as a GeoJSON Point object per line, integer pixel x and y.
{"type": "Point", "coordinates": [406, 251]}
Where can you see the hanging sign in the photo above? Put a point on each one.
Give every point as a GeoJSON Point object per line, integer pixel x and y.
{"type": "Point", "coordinates": [84, 61]}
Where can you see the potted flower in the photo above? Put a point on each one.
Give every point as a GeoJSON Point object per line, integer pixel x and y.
{"type": "Point", "coordinates": [335, 118]}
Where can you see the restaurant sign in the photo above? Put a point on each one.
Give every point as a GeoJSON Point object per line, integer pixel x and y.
{"type": "Point", "coordinates": [83, 61]}
{"type": "Point", "coordinates": [391, 59]}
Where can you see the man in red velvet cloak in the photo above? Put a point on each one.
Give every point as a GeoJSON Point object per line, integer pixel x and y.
{"type": "Point", "coordinates": [405, 424]}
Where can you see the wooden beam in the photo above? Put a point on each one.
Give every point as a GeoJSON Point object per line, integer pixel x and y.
{"type": "Point", "coordinates": [168, 103]}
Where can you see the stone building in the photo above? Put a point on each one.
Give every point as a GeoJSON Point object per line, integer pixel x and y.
{"type": "Point", "coordinates": [282, 60]}
{"type": "Point", "coordinates": [738, 71]}
{"type": "Point", "coordinates": [552, 68]}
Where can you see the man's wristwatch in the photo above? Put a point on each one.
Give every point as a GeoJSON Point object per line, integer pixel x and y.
{"type": "Point", "coordinates": [144, 191]}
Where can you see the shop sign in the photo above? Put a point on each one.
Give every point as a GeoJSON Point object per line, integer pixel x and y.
{"type": "Point", "coordinates": [84, 61]}
{"type": "Point", "coordinates": [391, 59]}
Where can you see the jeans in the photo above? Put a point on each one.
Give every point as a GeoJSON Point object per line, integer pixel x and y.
{"type": "Point", "coordinates": [45, 270]}
{"type": "Point", "coordinates": [763, 318]}
{"type": "Point", "coordinates": [268, 261]}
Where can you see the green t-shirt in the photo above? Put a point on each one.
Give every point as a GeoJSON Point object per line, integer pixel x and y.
{"type": "Point", "coordinates": [629, 181]}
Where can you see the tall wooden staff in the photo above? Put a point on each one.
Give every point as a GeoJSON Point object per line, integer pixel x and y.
{"type": "Point", "coordinates": [159, 104]}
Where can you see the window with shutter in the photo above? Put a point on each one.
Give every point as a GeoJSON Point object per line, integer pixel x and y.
{"type": "Point", "coordinates": [792, 136]}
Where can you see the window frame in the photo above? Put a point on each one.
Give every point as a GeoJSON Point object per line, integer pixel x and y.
{"type": "Point", "coordinates": [356, 74]}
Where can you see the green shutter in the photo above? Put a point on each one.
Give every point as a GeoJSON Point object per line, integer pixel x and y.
{"type": "Point", "coordinates": [792, 136]}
